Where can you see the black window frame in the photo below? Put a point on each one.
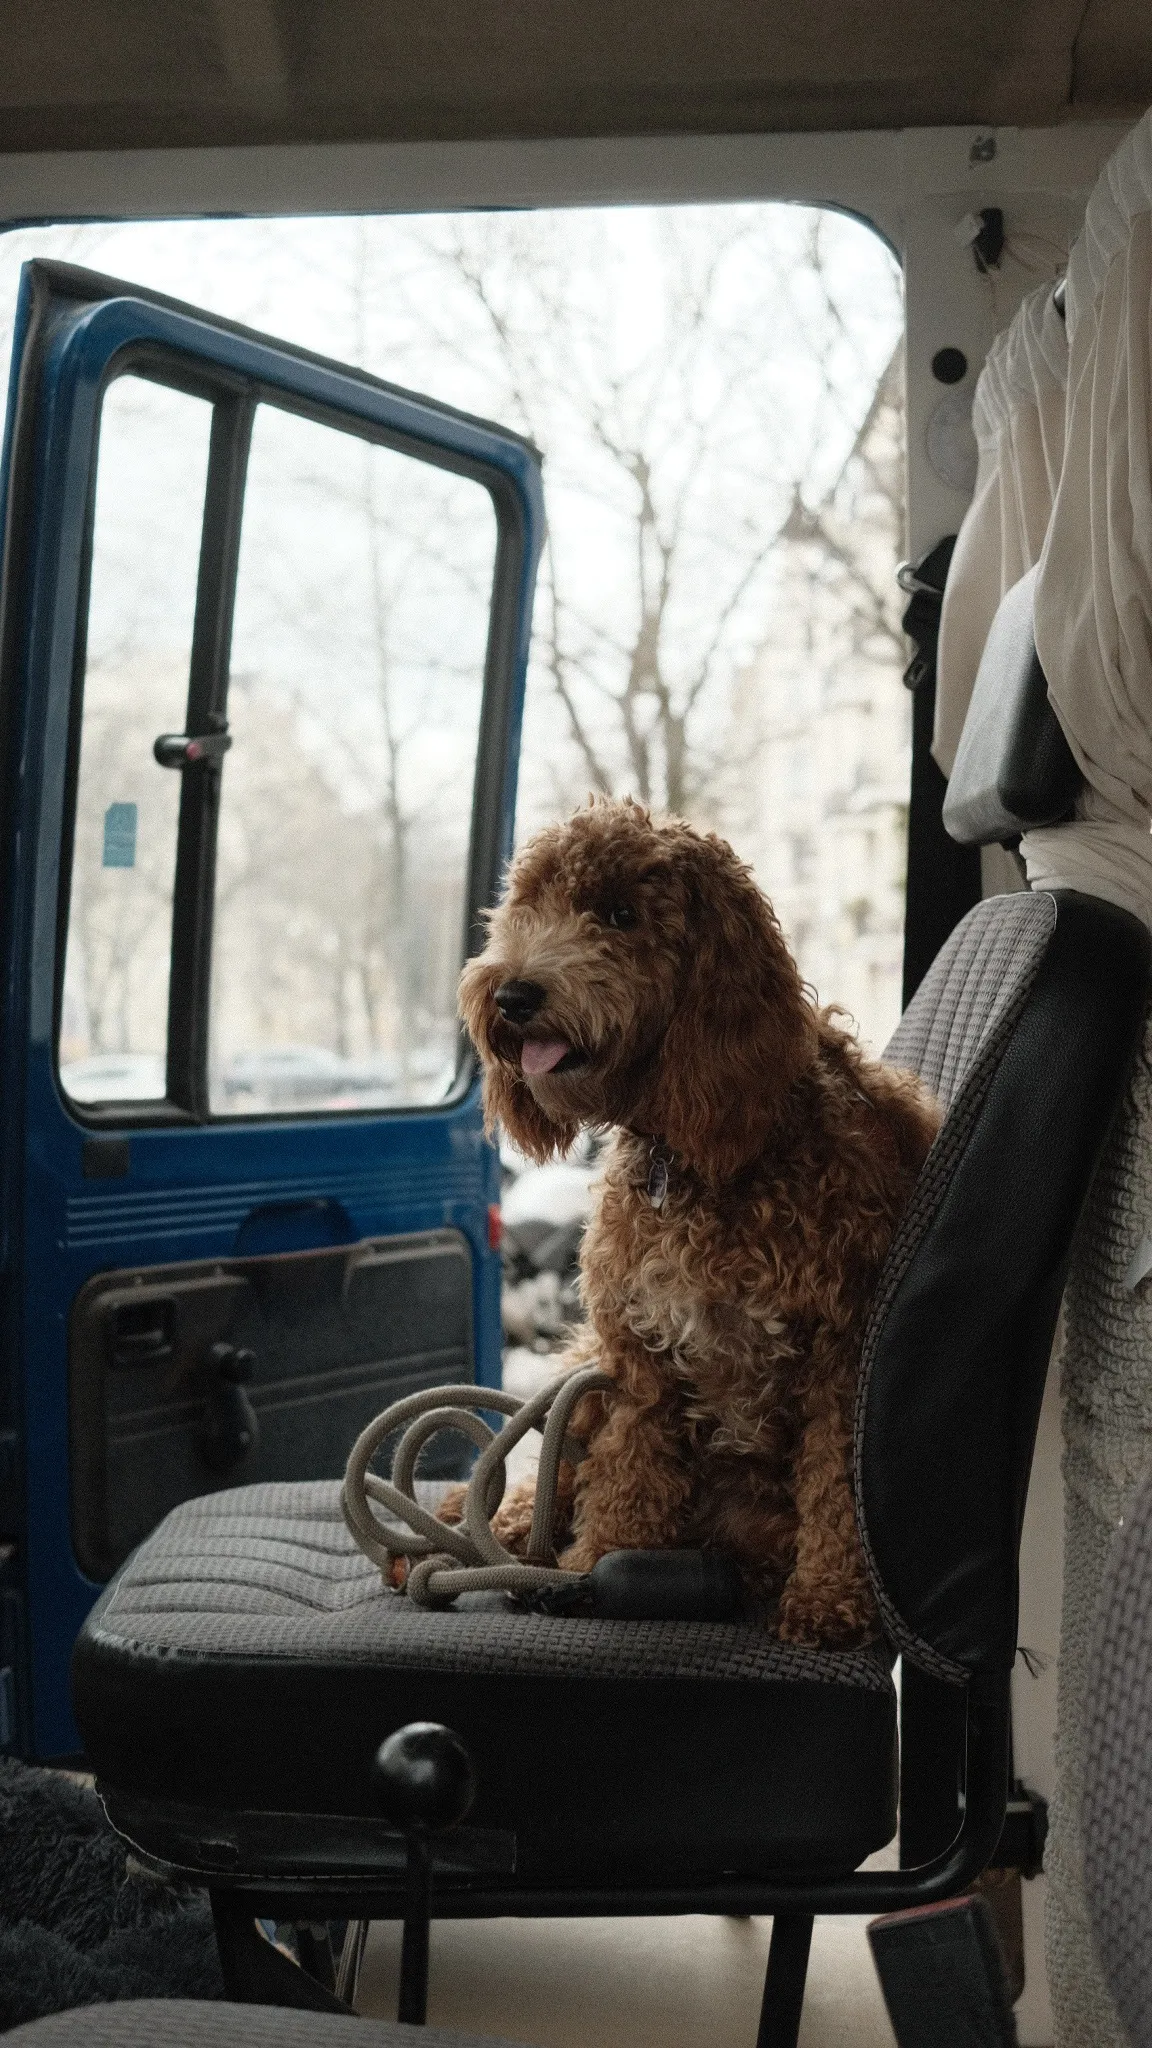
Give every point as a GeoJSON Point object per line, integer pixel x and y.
{"type": "Point", "coordinates": [234, 400]}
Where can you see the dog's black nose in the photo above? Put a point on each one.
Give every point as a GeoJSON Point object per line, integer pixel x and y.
{"type": "Point", "coordinates": [517, 1001]}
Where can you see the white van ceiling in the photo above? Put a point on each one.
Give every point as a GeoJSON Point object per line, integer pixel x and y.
{"type": "Point", "coordinates": [163, 73]}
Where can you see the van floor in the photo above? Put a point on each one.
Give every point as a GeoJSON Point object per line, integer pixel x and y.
{"type": "Point", "coordinates": [690, 1982]}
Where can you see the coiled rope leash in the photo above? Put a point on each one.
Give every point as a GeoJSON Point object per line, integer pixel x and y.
{"type": "Point", "coordinates": [468, 1557]}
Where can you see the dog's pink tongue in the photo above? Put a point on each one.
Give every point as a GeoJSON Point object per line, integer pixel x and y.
{"type": "Point", "coordinates": [540, 1055]}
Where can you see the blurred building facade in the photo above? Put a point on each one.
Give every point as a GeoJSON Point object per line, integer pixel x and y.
{"type": "Point", "coordinates": [818, 799]}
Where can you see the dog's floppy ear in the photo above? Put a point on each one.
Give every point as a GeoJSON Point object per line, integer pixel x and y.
{"type": "Point", "coordinates": [742, 1033]}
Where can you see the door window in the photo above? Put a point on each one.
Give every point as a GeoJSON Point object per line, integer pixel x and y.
{"type": "Point", "coordinates": [147, 516]}
{"type": "Point", "coordinates": [284, 666]}
{"type": "Point", "coordinates": [357, 678]}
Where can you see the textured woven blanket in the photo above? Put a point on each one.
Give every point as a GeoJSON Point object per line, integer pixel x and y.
{"type": "Point", "coordinates": [1106, 1377]}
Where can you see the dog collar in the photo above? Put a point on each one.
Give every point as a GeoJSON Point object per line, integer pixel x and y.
{"type": "Point", "coordinates": [659, 1160]}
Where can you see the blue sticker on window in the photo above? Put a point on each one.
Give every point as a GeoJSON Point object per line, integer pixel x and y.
{"type": "Point", "coordinates": [120, 836]}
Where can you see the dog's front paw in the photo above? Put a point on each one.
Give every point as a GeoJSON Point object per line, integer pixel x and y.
{"type": "Point", "coordinates": [512, 1522]}
{"type": "Point", "coordinates": [793, 1625]}
{"type": "Point", "coordinates": [818, 1621]}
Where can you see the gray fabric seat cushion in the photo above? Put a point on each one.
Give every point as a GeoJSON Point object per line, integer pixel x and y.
{"type": "Point", "coordinates": [272, 1571]}
{"type": "Point", "coordinates": [247, 1661]}
{"type": "Point", "coordinates": [179, 2023]}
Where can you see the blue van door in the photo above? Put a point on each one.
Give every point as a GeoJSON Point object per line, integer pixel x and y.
{"type": "Point", "coordinates": [263, 642]}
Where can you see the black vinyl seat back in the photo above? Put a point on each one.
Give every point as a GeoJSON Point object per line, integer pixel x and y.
{"type": "Point", "coordinates": [1025, 1027]}
{"type": "Point", "coordinates": [1014, 768]}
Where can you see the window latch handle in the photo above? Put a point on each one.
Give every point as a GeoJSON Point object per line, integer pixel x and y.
{"type": "Point", "coordinates": [191, 750]}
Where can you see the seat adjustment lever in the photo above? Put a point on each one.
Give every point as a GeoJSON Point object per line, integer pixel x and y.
{"type": "Point", "coordinates": [425, 1783]}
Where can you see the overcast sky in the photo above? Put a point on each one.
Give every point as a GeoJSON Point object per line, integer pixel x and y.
{"type": "Point", "coordinates": [801, 312]}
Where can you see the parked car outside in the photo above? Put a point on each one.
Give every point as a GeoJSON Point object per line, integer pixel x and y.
{"type": "Point", "coordinates": [115, 1077]}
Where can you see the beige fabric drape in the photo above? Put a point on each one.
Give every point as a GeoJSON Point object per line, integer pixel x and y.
{"type": "Point", "coordinates": [1094, 592]}
{"type": "Point", "coordinates": [1018, 420]}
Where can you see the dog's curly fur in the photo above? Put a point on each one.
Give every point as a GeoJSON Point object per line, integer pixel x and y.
{"type": "Point", "coordinates": [731, 1317]}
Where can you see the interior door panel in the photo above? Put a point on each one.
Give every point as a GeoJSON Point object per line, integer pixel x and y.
{"type": "Point", "coordinates": [224, 1372]}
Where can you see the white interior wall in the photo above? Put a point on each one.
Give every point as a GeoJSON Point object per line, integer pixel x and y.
{"type": "Point", "coordinates": [915, 186]}
{"type": "Point", "coordinates": [882, 175]}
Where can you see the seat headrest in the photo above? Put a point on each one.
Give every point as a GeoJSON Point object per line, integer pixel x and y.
{"type": "Point", "coordinates": [1014, 768]}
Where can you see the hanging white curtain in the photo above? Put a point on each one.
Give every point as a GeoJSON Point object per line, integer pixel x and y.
{"type": "Point", "coordinates": [1018, 419]}
{"type": "Point", "coordinates": [1093, 620]}
{"type": "Point", "coordinates": [1094, 593]}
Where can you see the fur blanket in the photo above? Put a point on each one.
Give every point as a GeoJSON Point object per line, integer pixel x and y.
{"type": "Point", "coordinates": [78, 1924]}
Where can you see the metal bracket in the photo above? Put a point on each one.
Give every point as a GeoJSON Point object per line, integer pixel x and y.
{"type": "Point", "coordinates": [1025, 1831]}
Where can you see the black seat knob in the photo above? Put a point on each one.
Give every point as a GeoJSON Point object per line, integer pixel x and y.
{"type": "Point", "coordinates": [424, 1778]}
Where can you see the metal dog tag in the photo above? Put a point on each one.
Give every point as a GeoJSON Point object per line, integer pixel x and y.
{"type": "Point", "coordinates": [658, 1176]}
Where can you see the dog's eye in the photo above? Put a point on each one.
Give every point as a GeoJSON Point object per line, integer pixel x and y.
{"type": "Point", "coordinates": [621, 917]}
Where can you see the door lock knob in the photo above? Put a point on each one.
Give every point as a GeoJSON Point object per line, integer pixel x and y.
{"type": "Point", "coordinates": [233, 1363]}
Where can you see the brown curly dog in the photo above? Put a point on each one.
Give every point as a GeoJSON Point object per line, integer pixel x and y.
{"type": "Point", "coordinates": [636, 977]}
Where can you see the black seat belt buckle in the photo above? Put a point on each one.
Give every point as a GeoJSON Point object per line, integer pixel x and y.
{"type": "Point", "coordinates": [942, 1973]}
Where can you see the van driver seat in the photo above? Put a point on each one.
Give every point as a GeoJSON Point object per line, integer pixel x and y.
{"type": "Point", "coordinates": [235, 1678]}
